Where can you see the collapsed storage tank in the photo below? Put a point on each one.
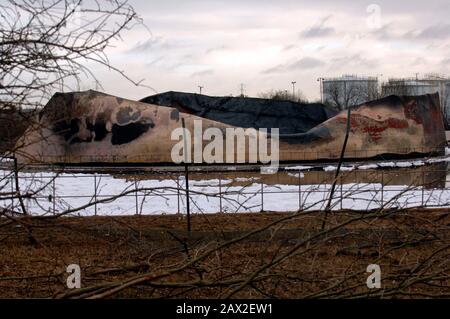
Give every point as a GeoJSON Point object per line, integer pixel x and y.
{"type": "Point", "coordinates": [92, 127]}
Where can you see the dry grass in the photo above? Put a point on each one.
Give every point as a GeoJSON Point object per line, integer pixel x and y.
{"type": "Point", "coordinates": [110, 249]}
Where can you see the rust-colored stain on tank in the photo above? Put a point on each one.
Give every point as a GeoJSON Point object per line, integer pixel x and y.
{"type": "Point", "coordinates": [373, 127]}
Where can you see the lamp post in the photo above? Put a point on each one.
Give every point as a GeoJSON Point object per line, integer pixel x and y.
{"type": "Point", "coordinates": [293, 88]}
{"type": "Point", "coordinates": [200, 88]}
{"type": "Point", "coordinates": [320, 80]}
{"type": "Point", "coordinates": [379, 85]}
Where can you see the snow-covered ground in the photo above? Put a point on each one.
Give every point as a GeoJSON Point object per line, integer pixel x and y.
{"type": "Point", "coordinates": [165, 197]}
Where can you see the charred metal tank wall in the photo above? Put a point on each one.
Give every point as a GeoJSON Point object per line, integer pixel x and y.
{"type": "Point", "coordinates": [390, 126]}
{"type": "Point", "coordinates": [85, 127]}
{"type": "Point", "coordinates": [94, 127]}
{"type": "Point", "coordinates": [290, 117]}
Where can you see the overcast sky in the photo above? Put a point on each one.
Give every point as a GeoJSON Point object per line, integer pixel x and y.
{"type": "Point", "coordinates": [267, 44]}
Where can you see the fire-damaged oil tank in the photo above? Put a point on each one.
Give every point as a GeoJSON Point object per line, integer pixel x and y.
{"type": "Point", "coordinates": [92, 127]}
{"type": "Point", "coordinates": [394, 126]}
{"type": "Point", "coordinates": [290, 117]}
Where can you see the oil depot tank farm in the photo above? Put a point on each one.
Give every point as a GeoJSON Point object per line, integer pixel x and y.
{"type": "Point", "coordinates": [92, 127]}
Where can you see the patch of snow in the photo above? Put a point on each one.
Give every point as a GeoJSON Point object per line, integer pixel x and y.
{"type": "Point", "coordinates": [439, 160]}
{"type": "Point", "coordinates": [211, 182]}
{"type": "Point", "coordinates": [297, 175]}
{"type": "Point", "coordinates": [246, 179]}
{"type": "Point", "coordinates": [298, 168]}
{"type": "Point", "coordinates": [343, 168]}
{"type": "Point", "coordinates": [403, 164]}
{"type": "Point", "coordinates": [386, 164]}
{"type": "Point", "coordinates": [268, 169]}
{"type": "Point", "coordinates": [368, 166]}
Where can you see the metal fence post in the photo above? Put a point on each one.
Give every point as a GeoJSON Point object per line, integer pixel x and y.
{"type": "Point", "coordinates": [262, 196]}
{"type": "Point", "coordinates": [12, 192]}
{"type": "Point", "coordinates": [188, 209]}
{"type": "Point", "coordinates": [299, 191]}
{"type": "Point", "coordinates": [382, 189]}
{"type": "Point", "coordinates": [220, 194]}
{"type": "Point", "coordinates": [17, 187]}
{"type": "Point", "coordinates": [95, 194]}
{"type": "Point", "coordinates": [136, 195]}
{"type": "Point", "coordinates": [423, 186]}
{"type": "Point", "coordinates": [178, 193]}
{"type": "Point", "coordinates": [54, 196]}
{"type": "Point", "coordinates": [186, 176]}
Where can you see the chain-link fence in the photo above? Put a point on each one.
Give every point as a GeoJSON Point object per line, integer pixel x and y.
{"type": "Point", "coordinates": [165, 193]}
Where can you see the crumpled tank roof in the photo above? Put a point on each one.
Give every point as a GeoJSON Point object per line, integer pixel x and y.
{"type": "Point", "coordinates": [290, 117]}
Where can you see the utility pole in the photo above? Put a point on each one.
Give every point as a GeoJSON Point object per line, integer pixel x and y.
{"type": "Point", "coordinates": [242, 89]}
{"type": "Point", "coordinates": [200, 88]}
{"type": "Point", "coordinates": [293, 88]}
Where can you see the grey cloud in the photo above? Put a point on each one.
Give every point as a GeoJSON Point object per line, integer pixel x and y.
{"type": "Point", "coordinates": [189, 56]}
{"type": "Point", "coordinates": [418, 61]}
{"type": "Point", "coordinates": [446, 62]}
{"type": "Point", "coordinates": [386, 32]}
{"type": "Point", "coordinates": [202, 73]}
{"type": "Point", "coordinates": [353, 60]}
{"type": "Point", "coordinates": [219, 48]}
{"type": "Point", "coordinates": [437, 31]}
{"type": "Point", "coordinates": [316, 32]}
{"type": "Point", "coordinates": [149, 45]}
{"type": "Point", "coordinates": [289, 47]}
{"type": "Point", "coordinates": [301, 64]}
{"type": "Point", "coordinates": [175, 66]}
{"type": "Point", "coordinates": [155, 61]}
{"type": "Point", "coordinates": [319, 30]}
{"type": "Point", "coordinates": [321, 48]}
{"type": "Point", "coordinates": [307, 63]}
